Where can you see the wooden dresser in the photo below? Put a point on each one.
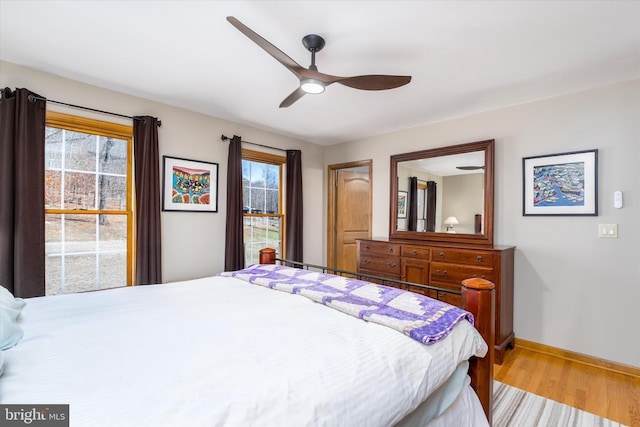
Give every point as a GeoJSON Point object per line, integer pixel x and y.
{"type": "Point", "coordinates": [445, 266]}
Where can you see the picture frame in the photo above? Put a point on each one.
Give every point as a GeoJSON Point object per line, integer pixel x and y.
{"type": "Point", "coordinates": [563, 184]}
{"type": "Point", "coordinates": [189, 185]}
{"type": "Point", "coordinates": [402, 204]}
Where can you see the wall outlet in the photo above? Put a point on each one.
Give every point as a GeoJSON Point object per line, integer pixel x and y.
{"type": "Point", "coordinates": [608, 231]}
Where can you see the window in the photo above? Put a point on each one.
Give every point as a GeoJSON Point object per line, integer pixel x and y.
{"type": "Point", "coordinates": [88, 204]}
{"type": "Point", "coordinates": [422, 207]}
{"type": "Point", "coordinates": [262, 196]}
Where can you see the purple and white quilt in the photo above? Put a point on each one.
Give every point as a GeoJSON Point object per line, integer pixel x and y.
{"type": "Point", "coordinates": [422, 318]}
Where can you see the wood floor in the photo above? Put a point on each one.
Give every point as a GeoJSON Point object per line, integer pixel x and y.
{"type": "Point", "coordinates": [602, 392]}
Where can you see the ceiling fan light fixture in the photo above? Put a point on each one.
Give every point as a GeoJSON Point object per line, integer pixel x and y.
{"type": "Point", "coordinates": [313, 86]}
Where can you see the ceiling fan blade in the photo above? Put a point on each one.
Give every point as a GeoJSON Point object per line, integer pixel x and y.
{"type": "Point", "coordinates": [295, 95]}
{"type": "Point", "coordinates": [279, 55]}
{"type": "Point", "coordinates": [374, 82]}
{"type": "Point", "coordinates": [469, 168]}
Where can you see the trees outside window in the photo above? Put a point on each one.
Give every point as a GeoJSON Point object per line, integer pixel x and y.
{"type": "Point", "coordinates": [88, 204]}
{"type": "Point", "coordinates": [262, 196]}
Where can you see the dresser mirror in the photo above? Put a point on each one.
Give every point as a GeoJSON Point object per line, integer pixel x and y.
{"type": "Point", "coordinates": [443, 194]}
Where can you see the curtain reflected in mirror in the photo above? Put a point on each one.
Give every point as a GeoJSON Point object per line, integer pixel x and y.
{"type": "Point", "coordinates": [431, 192]}
{"type": "Point", "coordinates": [413, 204]}
{"type": "Point", "coordinates": [422, 205]}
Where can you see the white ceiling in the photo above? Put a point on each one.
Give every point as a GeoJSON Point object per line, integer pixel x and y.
{"type": "Point", "coordinates": [464, 56]}
{"type": "Point", "coordinates": [448, 165]}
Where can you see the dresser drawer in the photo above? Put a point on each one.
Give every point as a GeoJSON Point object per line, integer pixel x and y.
{"type": "Point", "coordinates": [378, 248]}
{"type": "Point", "coordinates": [455, 274]}
{"type": "Point", "coordinates": [415, 252]}
{"type": "Point", "coordinates": [379, 264]}
{"type": "Point", "coordinates": [382, 275]}
{"type": "Point", "coordinates": [422, 291]}
{"type": "Point", "coordinates": [458, 256]}
{"type": "Point", "coordinates": [453, 299]}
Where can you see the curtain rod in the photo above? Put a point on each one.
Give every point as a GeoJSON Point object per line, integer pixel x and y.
{"type": "Point", "coordinates": [33, 98]}
{"type": "Point", "coordinates": [224, 138]}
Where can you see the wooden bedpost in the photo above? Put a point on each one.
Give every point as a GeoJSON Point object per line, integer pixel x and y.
{"type": "Point", "coordinates": [478, 297]}
{"type": "Point", "coordinates": [267, 256]}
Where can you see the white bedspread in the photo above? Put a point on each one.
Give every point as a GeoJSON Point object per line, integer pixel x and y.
{"type": "Point", "coordinates": [219, 351]}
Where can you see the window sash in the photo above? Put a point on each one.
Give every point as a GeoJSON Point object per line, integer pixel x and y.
{"type": "Point", "coordinates": [271, 159]}
{"type": "Point", "coordinates": [68, 122]}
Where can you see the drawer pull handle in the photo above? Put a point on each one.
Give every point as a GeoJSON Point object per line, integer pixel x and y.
{"type": "Point", "coordinates": [391, 265]}
{"type": "Point", "coordinates": [415, 252]}
{"type": "Point", "coordinates": [479, 258]}
{"type": "Point", "coordinates": [366, 261]}
{"type": "Point", "coordinates": [482, 277]}
{"type": "Point", "coordinates": [391, 250]}
{"type": "Point", "coordinates": [366, 247]}
{"type": "Point", "coordinates": [441, 254]}
{"type": "Point", "coordinates": [441, 272]}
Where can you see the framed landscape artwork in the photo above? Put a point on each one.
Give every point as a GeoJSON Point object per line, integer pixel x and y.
{"type": "Point", "coordinates": [189, 185]}
{"type": "Point", "coordinates": [561, 184]}
{"type": "Point", "coordinates": [402, 204]}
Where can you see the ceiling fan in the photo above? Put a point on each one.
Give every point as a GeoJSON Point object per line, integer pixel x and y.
{"type": "Point", "coordinates": [312, 81]}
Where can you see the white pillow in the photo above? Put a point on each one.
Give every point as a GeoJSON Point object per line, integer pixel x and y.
{"type": "Point", "coordinates": [8, 300]}
{"type": "Point", "coordinates": [10, 308]}
{"type": "Point", "coordinates": [10, 332]}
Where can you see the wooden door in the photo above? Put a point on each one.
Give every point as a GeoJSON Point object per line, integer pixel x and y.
{"type": "Point", "coordinates": [350, 213]}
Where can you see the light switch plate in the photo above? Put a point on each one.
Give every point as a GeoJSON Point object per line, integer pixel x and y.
{"type": "Point", "coordinates": [608, 231]}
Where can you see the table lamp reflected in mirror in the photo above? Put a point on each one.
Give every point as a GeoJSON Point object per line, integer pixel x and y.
{"type": "Point", "coordinates": [450, 222]}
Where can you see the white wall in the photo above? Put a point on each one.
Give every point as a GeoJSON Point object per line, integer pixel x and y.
{"type": "Point", "coordinates": [192, 242]}
{"type": "Point", "coordinates": [572, 290]}
{"type": "Point", "coordinates": [463, 197]}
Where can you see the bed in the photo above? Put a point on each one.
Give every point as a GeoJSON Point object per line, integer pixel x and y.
{"type": "Point", "coordinates": [228, 351]}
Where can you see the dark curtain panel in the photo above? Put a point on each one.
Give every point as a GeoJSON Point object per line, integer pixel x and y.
{"type": "Point", "coordinates": [431, 206]}
{"type": "Point", "coordinates": [22, 251]}
{"type": "Point", "coordinates": [147, 182]}
{"type": "Point", "coordinates": [412, 224]}
{"type": "Point", "coordinates": [234, 247]}
{"type": "Point", "coordinates": [294, 206]}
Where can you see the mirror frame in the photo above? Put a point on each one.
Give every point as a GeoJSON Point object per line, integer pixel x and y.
{"type": "Point", "coordinates": [485, 239]}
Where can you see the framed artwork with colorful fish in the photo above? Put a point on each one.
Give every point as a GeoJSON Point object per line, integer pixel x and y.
{"type": "Point", "coordinates": [189, 185]}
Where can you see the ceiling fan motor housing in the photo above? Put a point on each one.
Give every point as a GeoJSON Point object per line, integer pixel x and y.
{"type": "Point", "coordinates": [313, 42]}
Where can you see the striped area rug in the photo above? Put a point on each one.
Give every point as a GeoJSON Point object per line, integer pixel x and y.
{"type": "Point", "coordinates": [513, 407]}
